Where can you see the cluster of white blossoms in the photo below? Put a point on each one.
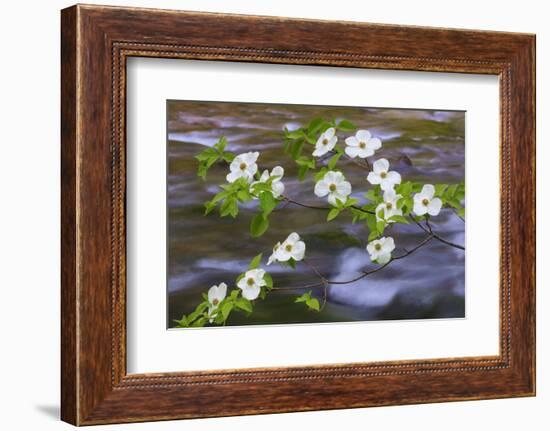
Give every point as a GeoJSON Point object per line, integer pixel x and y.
{"type": "Point", "coordinates": [362, 145]}
{"type": "Point", "coordinates": [291, 248]}
{"type": "Point", "coordinates": [244, 166]}
{"type": "Point", "coordinates": [251, 284]}
{"type": "Point", "coordinates": [277, 186]}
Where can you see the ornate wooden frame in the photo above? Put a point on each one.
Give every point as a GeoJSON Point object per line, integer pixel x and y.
{"type": "Point", "coordinates": [95, 42]}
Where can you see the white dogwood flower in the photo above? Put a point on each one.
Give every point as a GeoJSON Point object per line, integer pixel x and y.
{"type": "Point", "coordinates": [380, 249]}
{"type": "Point", "coordinates": [277, 186]}
{"type": "Point", "coordinates": [382, 175]}
{"type": "Point", "coordinates": [273, 257]}
{"type": "Point", "coordinates": [334, 185]}
{"type": "Point", "coordinates": [243, 166]}
{"type": "Point", "coordinates": [389, 206]}
{"type": "Point", "coordinates": [216, 294]}
{"type": "Point", "coordinates": [326, 142]}
{"type": "Point", "coordinates": [425, 203]}
{"type": "Point", "coordinates": [251, 284]}
{"type": "Point", "coordinates": [362, 145]}
{"type": "Point", "coordinates": [291, 248]}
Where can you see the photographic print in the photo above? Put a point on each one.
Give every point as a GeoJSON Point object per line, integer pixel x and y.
{"type": "Point", "coordinates": [289, 214]}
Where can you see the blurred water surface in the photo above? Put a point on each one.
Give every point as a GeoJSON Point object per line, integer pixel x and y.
{"type": "Point", "coordinates": [423, 145]}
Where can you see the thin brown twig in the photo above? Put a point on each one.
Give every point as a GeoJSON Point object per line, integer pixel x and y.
{"type": "Point", "coordinates": [325, 282]}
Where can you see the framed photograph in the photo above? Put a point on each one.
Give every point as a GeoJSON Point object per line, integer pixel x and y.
{"type": "Point", "coordinates": [324, 214]}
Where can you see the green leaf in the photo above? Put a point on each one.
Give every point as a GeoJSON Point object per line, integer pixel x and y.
{"type": "Point", "coordinates": [371, 222]}
{"type": "Point", "coordinates": [319, 175]}
{"type": "Point", "coordinates": [306, 161]}
{"type": "Point", "coordinates": [313, 304]}
{"type": "Point", "coordinates": [399, 219]}
{"type": "Point", "coordinates": [346, 126]}
{"type": "Point", "coordinates": [454, 203]}
{"type": "Point", "coordinates": [221, 144]}
{"type": "Point", "coordinates": [334, 160]}
{"type": "Point", "coordinates": [244, 304]}
{"type": "Point", "coordinates": [372, 235]}
{"type": "Point", "coordinates": [302, 172]}
{"type": "Point", "coordinates": [451, 191]}
{"type": "Point", "coordinates": [228, 157]}
{"type": "Point", "coordinates": [244, 195]}
{"type": "Point", "coordinates": [315, 126]}
{"type": "Point", "coordinates": [208, 207]}
{"type": "Point", "coordinates": [255, 262]}
{"type": "Point", "coordinates": [295, 134]}
{"type": "Point", "coordinates": [461, 212]}
{"type": "Point", "coordinates": [380, 226]}
{"type": "Point", "coordinates": [267, 203]}
{"type": "Point", "coordinates": [310, 302]}
{"type": "Point", "coordinates": [333, 213]}
{"type": "Point", "coordinates": [371, 195]}
{"type": "Point", "coordinates": [226, 309]}
{"type": "Point", "coordinates": [296, 148]}
{"type": "Point", "coordinates": [405, 189]}
{"type": "Point", "coordinates": [351, 202]}
{"type": "Point", "coordinates": [303, 298]}
{"type": "Point", "coordinates": [258, 225]}
{"type": "Point", "coordinates": [268, 280]}
{"type": "Point", "coordinates": [229, 207]}
{"type": "Point", "coordinates": [440, 189]}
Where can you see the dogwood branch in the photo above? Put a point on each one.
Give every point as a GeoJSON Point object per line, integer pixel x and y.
{"type": "Point", "coordinates": [426, 230]}
{"type": "Point", "coordinates": [324, 282]}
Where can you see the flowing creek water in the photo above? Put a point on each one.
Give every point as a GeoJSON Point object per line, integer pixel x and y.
{"type": "Point", "coordinates": [423, 145]}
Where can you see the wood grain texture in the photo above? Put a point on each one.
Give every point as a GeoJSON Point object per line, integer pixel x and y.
{"type": "Point", "coordinates": [96, 41]}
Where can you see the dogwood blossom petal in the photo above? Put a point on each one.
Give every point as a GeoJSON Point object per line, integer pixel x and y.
{"type": "Point", "coordinates": [321, 188]}
{"type": "Point", "coordinates": [251, 292]}
{"type": "Point", "coordinates": [298, 251]}
{"type": "Point", "coordinates": [434, 207]}
{"type": "Point", "coordinates": [381, 165]}
{"type": "Point", "coordinates": [343, 188]}
{"type": "Point", "coordinates": [428, 191]}
{"type": "Point", "coordinates": [273, 256]}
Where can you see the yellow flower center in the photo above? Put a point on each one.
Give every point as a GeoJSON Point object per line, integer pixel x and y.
{"type": "Point", "coordinates": [242, 166]}
{"type": "Point", "coordinates": [425, 202]}
{"type": "Point", "coordinates": [250, 281]}
{"type": "Point", "coordinates": [383, 174]}
{"type": "Point", "coordinates": [332, 187]}
{"type": "Point", "coordinates": [288, 247]}
{"type": "Point", "coordinates": [362, 145]}
{"type": "Point", "coordinates": [325, 141]}
{"type": "Point", "coordinates": [215, 301]}
{"type": "Point", "coordinates": [378, 247]}
{"type": "Point", "coordinates": [389, 205]}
